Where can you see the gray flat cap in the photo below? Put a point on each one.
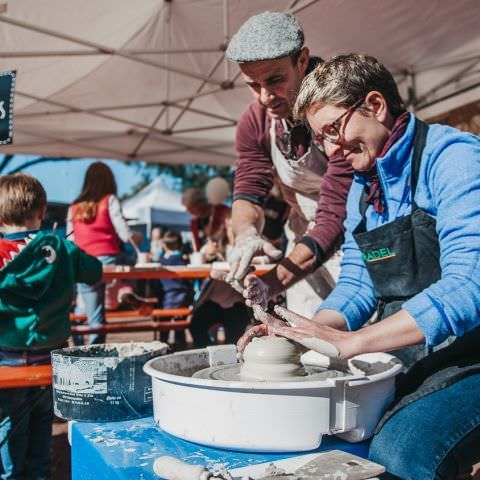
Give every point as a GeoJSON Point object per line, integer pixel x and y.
{"type": "Point", "coordinates": [266, 36]}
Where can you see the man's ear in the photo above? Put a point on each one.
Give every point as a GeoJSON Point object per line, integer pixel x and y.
{"type": "Point", "coordinates": [303, 59]}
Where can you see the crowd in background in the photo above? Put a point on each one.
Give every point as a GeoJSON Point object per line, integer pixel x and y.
{"type": "Point", "coordinates": [96, 224]}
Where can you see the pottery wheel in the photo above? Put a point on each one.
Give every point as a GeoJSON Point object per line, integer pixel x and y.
{"type": "Point", "coordinates": [268, 359]}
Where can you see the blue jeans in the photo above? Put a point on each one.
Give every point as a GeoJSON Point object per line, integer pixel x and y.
{"type": "Point", "coordinates": [435, 437]}
{"type": "Point", "coordinates": [93, 297]}
{"type": "Point", "coordinates": [26, 416]}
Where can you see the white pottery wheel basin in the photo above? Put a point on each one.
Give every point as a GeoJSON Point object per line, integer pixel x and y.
{"type": "Point", "coordinates": [267, 416]}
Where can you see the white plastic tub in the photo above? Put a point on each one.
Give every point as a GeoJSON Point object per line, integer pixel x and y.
{"type": "Point", "coordinates": [270, 417]}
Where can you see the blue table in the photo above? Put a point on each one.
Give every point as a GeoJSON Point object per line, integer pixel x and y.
{"type": "Point", "coordinates": [126, 450]}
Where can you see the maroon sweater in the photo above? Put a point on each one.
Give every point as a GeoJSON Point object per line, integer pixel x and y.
{"type": "Point", "coordinates": [254, 179]}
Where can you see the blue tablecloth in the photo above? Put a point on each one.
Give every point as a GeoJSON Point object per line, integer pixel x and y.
{"type": "Point", "coordinates": [126, 450]}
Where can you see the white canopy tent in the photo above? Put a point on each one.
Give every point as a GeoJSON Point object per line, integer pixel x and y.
{"type": "Point", "coordinates": [147, 80]}
{"type": "Point", "coordinates": [157, 205]}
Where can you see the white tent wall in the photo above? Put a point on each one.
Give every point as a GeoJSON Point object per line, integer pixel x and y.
{"type": "Point", "coordinates": [148, 81]}
{"type": "Point", "coordinates": [157, 205]}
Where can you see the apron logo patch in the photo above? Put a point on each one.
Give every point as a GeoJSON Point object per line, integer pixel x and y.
{"type": "Point", "coordinates": [378, 254]}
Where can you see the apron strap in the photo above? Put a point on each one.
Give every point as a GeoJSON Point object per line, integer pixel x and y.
{"type": "Point", "coordinates": [419, 141]}
{"type": "Point", "coordinates": [421, 130]}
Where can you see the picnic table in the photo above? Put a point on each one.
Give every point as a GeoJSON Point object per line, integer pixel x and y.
{"type": "Point", "coordinates": [157, 271]}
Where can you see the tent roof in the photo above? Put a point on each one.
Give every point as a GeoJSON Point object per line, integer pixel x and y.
{"type": "Point", "coordinates": [147, 80]}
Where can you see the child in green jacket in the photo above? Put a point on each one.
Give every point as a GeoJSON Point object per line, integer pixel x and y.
{"type": "Point", "coordinates": [38, 272]}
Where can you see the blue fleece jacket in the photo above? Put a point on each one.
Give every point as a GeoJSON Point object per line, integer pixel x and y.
{"type": "Point", "coordinates": [449, 190]}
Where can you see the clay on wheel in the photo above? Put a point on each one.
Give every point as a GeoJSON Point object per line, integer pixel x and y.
{"type": "Point", "coordinates": [271, 358]}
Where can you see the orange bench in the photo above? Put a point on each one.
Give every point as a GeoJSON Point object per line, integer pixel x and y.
{"type": "Point", "coordinates": [25, 376]}
{"type": "Point", "coordinates": [134, 326]}
{"type": "Point", "coordinates": [156, 313]}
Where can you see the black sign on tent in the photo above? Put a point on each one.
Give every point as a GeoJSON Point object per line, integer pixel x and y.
{"type": "Point", "coordinates": [7, 86]}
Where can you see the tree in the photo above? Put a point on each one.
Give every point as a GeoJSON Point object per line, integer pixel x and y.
{"type": "Point", "coordinates": [193, 175]}
{"type": "Point", "coordinates": [186, 175]}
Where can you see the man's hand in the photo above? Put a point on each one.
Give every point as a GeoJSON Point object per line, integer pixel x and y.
{"type": "Point", "coordinates": [268, 322]}
{"type": "Point", "coordinates": [247, 246]}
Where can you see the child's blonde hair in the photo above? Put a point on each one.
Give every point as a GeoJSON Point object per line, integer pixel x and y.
{"type": "Point", "coordinates": [22, 197]}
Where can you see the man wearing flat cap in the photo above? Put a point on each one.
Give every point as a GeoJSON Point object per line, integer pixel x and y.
{"type": "Point", "coordinates": [270, 53]}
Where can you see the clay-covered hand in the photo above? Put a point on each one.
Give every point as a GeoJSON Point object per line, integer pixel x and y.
{"type": "Point", "coordinates": [222, 276]}
{"type": "Point", "coordinates": [255, 331]}
{"type": "Point", "coordinates": [256, 292]}
{"type": "Point", "coordinates": [265, 328]}
{"type": "Point", "coordinates": [246, 247]}
{"type": "Point", "coordinates": [320, 338]}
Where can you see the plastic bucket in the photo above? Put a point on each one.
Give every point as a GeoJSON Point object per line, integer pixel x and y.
{"type": "Point", "coordinates": [103, 383]}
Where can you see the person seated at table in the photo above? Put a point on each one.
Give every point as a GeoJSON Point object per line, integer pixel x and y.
{"type": "Point", "coordinates": [38, 272]}
{"type": "Point", "coordinates": [96, 224]}
{"type": "Point", "coordinates": [175, 292]}
{"type": "Point", "coordinates": [412, 253]}
{"type": "Point", "coordinates": [156, 244]}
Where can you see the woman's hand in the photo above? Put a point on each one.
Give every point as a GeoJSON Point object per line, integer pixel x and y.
{"type": "Point", "coordinates": [313, 336]}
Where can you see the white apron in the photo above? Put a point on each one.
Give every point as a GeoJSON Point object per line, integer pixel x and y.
{"type": "Point", "coordinates": [301, 181]}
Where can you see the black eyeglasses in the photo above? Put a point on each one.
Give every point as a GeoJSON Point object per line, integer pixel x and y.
{"type": "Point", "coordinates": [333, 132]}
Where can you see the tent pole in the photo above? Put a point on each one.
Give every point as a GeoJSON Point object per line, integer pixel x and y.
{"type": "Point", "coordinates": [147, 133]}
{"type": "Point", "coordinates": [103, 48]}
{"type": "Point", "coordinates": [126, 107]}
{"type": "Point", "coordinates": [226, 38]}
{"type": "Point", "coordinates": [199, 89]}
{"type": "Point", "coordinates": [155, 132]}
{"type": "Point", "coordinates": [298, 8]}
{"type": "Point", "coordinates": [411, 94]}
{"type": "Point", "coordinates": [80, 53]}
{"type": "Point", "coordinates": [200, 129]}
{"type": "Point", "coordinates": [70, 142]}
{"type": "Point", "coordinates": [452, 79]}
{"type": "Point", "coordinates": [446, 97]}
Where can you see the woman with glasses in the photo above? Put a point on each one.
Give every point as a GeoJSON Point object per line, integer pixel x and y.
{"type": "Point", "coordinates": [411, 253]}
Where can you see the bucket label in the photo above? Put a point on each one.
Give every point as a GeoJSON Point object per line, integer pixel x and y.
{"type": "Point", "coordinates": [80, 375]}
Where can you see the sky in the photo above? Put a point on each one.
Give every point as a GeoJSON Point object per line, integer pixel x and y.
{"type": "Point", "coordinates": [63, 180]}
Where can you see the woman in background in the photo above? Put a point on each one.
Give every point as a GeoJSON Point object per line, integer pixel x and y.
{"type": "Point", "coordinates": [98, 227]}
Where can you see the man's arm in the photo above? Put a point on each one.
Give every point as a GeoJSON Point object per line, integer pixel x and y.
{"type": "Point", "coordinates": [326, 236]}
{"type": "Point", "coordinates": [246, 215]}
{"type": "Point", "coordinates": [253, 182]}
{"type": "Point", "coordinates": [290, 270]}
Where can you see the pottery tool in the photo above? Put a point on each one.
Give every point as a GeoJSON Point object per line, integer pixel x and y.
{"type": "Point", "coordinates": [318, 466]}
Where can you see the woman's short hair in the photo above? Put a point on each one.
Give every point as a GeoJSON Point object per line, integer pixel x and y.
{"type": "Point", "coordinates": [345, 79]}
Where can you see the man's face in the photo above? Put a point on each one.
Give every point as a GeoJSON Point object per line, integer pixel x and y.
{"type": "Point", "coordinates": [363, 133]}
{"type": "Point", "coordinates": [275, 83]}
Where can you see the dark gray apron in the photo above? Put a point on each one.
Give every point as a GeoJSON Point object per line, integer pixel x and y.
{"type": "Point", "coordinates": [402, 258]}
